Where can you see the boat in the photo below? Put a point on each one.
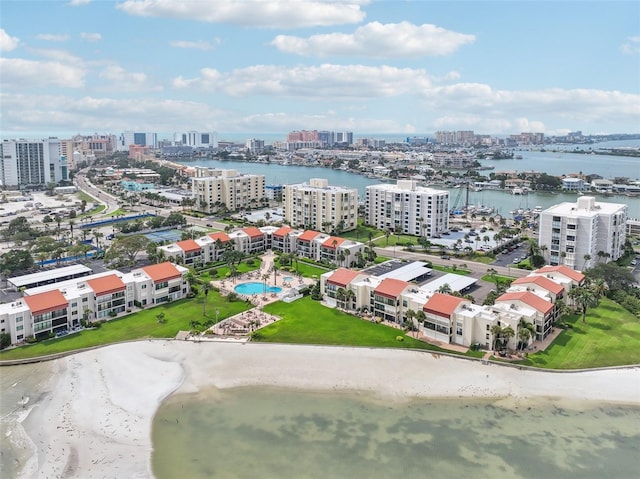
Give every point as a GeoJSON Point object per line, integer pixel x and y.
{"type": "Point", "coordinates": [517, 191]}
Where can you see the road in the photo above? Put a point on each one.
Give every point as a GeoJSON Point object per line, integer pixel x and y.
{"type": "Point", "coordinates": [83, 184]}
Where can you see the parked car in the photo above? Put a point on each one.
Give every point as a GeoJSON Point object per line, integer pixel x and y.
{"type": "Point", "coordinates": [445, 256]}
{"type": "Point", "coordinates": [516, 261]}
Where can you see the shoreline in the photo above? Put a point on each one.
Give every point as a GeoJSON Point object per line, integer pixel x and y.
{"type": "Point", "coordinates": [96, 416]}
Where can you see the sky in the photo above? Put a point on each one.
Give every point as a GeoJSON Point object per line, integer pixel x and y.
{"type": "Point", "coordinates": [366, 66]}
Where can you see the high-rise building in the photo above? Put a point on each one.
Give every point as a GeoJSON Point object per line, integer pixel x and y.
{"type": "Point", "coordinates": [584, 233]}
{"type": "Point", "coordinates": [197, 139]}
{"type": "Point", "coordinates": [407, 208]}
{"type": "Point", "coordinates": [131, 137]}
{"type": "Point", "coordinates": [255, 146]}
{"type": "Point", "coordinates": [213, 189]}
{"type": "Point", "coordinates": [31, 163]}
{"type": "Point", "coordinates": [316, 205]}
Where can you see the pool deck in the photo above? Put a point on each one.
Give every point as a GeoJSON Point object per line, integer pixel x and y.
{"type": "Point", "coordinates": [248, 321]}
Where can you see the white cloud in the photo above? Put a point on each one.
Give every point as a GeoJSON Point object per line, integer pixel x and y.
{"type": "Point", "coordinates": [632, 46]}
{"type": "Point", "coordinates": [378, 40]}
{"type": "Point", "coordinates": [23, 74]}
{"type": "Point", "coordinates": [91, 37]}
{"type": "Point", "coordinates": [55, 113]}
{"type": "Point", "coordinates": [51, 37]}
{"type": "Point", "coordinates": [7, 42]}
{"type": "Point", "coordinates": [322, 81]}
{"type": "Point", "coordinates": [118, 78]}
{"type": "Point", "coordinates": [472, 104]}
{"type": "Point", "coordinates": [78, 3]}
{"type": "Point", "coordinates": [199, 45]}
{"type": "Point", "coordinates": [251, 13]}
{"type": "Point", "coordinates": [58, 55]}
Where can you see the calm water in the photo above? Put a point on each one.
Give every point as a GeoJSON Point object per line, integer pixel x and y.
{"type": "Point", "coordinates": [502, 201]}
{"type": "Point", "coordinates": [269, 433]}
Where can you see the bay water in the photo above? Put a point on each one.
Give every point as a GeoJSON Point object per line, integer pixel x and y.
{"type": "Point", "coordinates": [261, 433]}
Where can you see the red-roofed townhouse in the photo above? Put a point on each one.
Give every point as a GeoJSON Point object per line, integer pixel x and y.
{"type": "Point", "coordinates": [541, 285]}
{"type": "Point", "coordinates": [330, 251]}
{"type": "Point", "coordinates": [191, 252]}
{"type": "Point", "coordinates": [336, 290]}
{"type": "Point", "coordinates": [216, 245]}
{"type": "Point", "coordinates": [387, 301]}
{"type": "Point", "coordinates": [441, 323]}
{"type": "Point", "coordinates": [48, 313]}
{"type": "Point", "coordinates": [281, 240]}
{"type": "Point", "coordinates": [248, 240]}
{"type": "Point", "coordinates": [540, 312]}
{"type": "Point", "coordinates": [305, 244]}
{"type": "Point", "coordinates": [110, 296]}
{"type": "Point", "coordinates": [569, 278]}
{"type": "Point", "coordinates": [161, 283]}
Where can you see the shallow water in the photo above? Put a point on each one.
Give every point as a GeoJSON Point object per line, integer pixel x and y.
{"type": "Point", "coordinates": [274, 433]}
{"type": "Point", "coordinates": [21, 387]}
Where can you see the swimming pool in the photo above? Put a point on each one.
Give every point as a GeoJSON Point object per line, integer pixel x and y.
{"type": "Point", "coordinates": [288, 279]}
{"type": "Point", "coordinates": [255, 287]}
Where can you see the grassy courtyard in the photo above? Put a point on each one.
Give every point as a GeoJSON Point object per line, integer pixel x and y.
{"type": "Point", "coordinates": [178, 316]}
{"type": "Point", "coordinates": [308, 322]}
{"type": "Point", "coordinates": [609, 337]}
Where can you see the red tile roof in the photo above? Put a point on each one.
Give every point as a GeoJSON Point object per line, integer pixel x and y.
{"type": "Point", "coordinates": [342, 277]}
{"type": "Point", "coordinates": [223, 237]}
{"type": "Point", "coordinates": [188, 245]}
{"type": "Point", "coordinates": [391, 288]}
{"type": "Point", "coordinates": [308, 235]}
{"type": "Point", "coordinates": [283, 231]}
{"type": "Point", "coordinates": [576, 276]}
{"type": "Point", "coordinates": [442, 304]}
{"type": "Point", "coordinates": [528, 298]}
{"type": "Point", "coordinates": [253, 232]}
{"type": "Point", "coordinates": [329, 242]}
{"type": "Point", "coordinates": [106, 284]}
{"type": "Point", "coordinates": [543, 282]}
{"type": "Point", "coordinates": [162, 272]}
{"type": "Point", "coordinates": [46, 302]}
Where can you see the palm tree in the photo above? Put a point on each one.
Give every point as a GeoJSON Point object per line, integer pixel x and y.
{"type": "Point", "coordinates": [584, 298]}
{"type": "Point", "coordinates": [587, 258]}
{"type": "Point", "coordinates": [340, 296]}
{"type": "Point", "coordinates": [205, 294]}
{"type": "Point", "coordinates": [496, 332]}
{"type": "Point", "coordinates": [410, 315]}
{"type": "Point", "coordinates": [387, 233]}
{"type": "Point", "coordinates": [525, 331]}
{"type": "Point", "coordinates": [341, 258]}
{"type": "Point", "coordinates": [445, 289]}
{"type": "Point", "coordinates": [349, 297]}
{"type": "Point", "coordinates": [265, 278]}
{"type": "Point", "coordinates": [420, 319]}
{"type": "Point", "coordinates": [543, 249]}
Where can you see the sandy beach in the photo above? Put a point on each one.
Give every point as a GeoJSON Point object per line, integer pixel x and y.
{"type": "Point", "coordinates": [94, 418]}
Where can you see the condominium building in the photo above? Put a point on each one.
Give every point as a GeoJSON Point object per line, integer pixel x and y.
{"type": "Point", "coordinates": [131, 137]}
{"type": "Point", "coordinates": [316, 205]}
{"type": "Point", "coordinates": [407, 208]}
{"type": "Point", "coordinates": [31, 163]}
{"type": "Point", "coordinates": [581, 234]}
{"type": "Point", "coordinates": [196, 139]}
{"type": "Point", "coordinates": [213, 189]}
{"type": "Point", "coordinates": [390, 294]}
{"type": "Point", "coordinates": [62, 306]}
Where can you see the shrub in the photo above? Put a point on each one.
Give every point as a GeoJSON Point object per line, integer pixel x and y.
{"type": "Point", "coordinates": [399, 338]}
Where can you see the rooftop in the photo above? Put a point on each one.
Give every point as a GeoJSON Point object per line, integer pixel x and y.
{"type": "Point", "coordinates": [342, 277]}
{"type": "Point", "coordinates": [391, 288]}
{"type": "Point", "coordinates": [541, 281]}
{"type": "Point", "coordinates": [308, 235]}
{"type": "Point", "coordinates": [24, 280]}
{"type": "Point", "coordinates": [528, 298]}
{"type": "Point", "coordinates": [106, 284]}
{"type": "Point", "coordinates": [46, 302]}
{"type": "Point", "coordinates": [162, 272]}
{"type": "Point", "coordinates": [562, 269]}
{"type": "Point", "coordinates": [443, 304]}
{"type": "Point", "coordinates": [188, 245]}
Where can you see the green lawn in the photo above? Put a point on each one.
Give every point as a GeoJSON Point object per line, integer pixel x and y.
{"type": "Point", "coordinates": [223, 271]}
{"type": "Point", "coordinates": [451, 269]}
{"type": "Point", "coordinates": [140, 325]}
{"type": "Point", "coordinates": [361, 233]}
{"type": "Point", "coordinates": [610, 337]}
{"type": "Point", "coordinates": [394, 239]}
{"type": "Point", "coordinates": [306, 321]}
{"type": "Point", "coordinates": [308, 270]}
{"type": "Point", "coordinates": [506, 280]}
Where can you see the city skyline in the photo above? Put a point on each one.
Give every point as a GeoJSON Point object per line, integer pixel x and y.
{"type": "Point", "coordinates": [407, 68]}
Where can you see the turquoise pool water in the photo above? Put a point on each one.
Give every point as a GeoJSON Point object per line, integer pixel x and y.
{"type": "Point", "coordinates": [288, 279]}
{"type": "Point", "coordinates": [255, 287]}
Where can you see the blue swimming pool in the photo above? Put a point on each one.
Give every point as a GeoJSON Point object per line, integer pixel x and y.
{"type": "Point", "coordinates": [255, 287]}
{"type": "Point", "coordinates": [288, 279]}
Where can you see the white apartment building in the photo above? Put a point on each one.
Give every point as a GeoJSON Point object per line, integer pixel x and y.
{"type": "Point", "coordinates": [255, 146]}
{"type": "Point", "coordinates": [581, 234]}
{"type": "Point", "coordinates": [61, 306]}
{"type": "Point", "coordinates": [31, 163]}
{"type": "Point", "coordinates": [316, 205]}
{"type": "Point", "coordinates": [130, 137]}
{"type": "Point", "coordinates": [213, 188]}
{"type": "Point", "coordinates": [197, 139]}
{"type": "Point", "coordinates": [448, 318]}
{"type": "Point", "coordinates": [407, 208]}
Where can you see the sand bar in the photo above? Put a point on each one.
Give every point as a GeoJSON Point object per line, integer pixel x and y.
{"type": "Point", "coordinates": [95, 419]}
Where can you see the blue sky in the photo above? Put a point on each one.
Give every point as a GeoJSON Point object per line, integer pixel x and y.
{"type": "Point", "coordinates": [253, 66]}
